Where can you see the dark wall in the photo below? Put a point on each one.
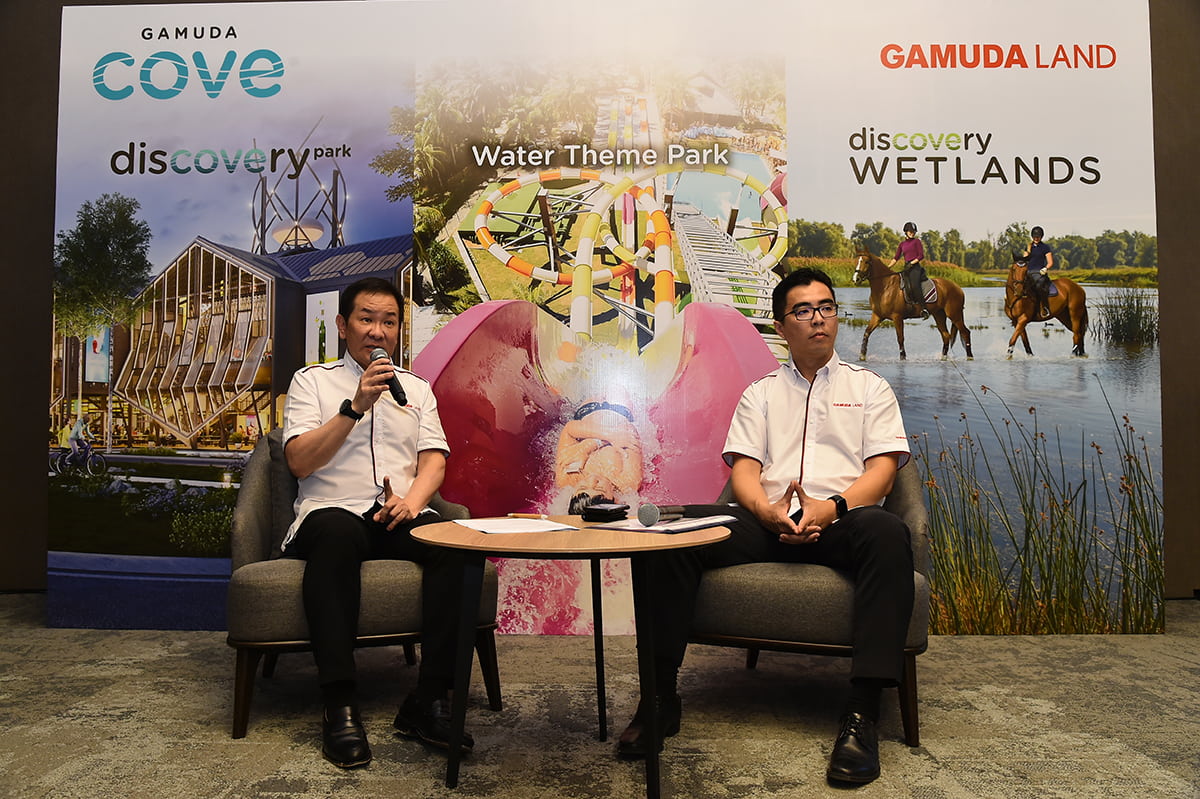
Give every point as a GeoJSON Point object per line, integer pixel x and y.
{"type": "Point", "coordinates": [29, 36]}
{"type": "Point", "coordinates": [1174, 29]}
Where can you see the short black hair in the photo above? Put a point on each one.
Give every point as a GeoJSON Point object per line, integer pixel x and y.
{"type": "Point", "coordinates": [368, 285]}
{"type": "Point", "coordinates": [800, 277]}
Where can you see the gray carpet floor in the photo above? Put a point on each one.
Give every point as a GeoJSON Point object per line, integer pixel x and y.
{"type": "Point", "coordinates": [128, 713]}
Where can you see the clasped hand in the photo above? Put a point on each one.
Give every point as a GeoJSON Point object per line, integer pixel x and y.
{"type": "Point", "coordinates": [814, 517]}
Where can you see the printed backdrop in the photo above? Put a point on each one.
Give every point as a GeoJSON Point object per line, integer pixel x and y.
{"type": "Point", "coordinates": [601, 198]}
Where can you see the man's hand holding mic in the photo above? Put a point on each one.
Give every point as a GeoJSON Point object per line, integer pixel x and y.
{"type": "Point", "coordinates": [392, 383]}
{"type": "Point", "coordinates": [372, 382]}
{"type": "Point", "coordinates": [378, 376]}
{"type": "Point", "coordinates": [310, 451]}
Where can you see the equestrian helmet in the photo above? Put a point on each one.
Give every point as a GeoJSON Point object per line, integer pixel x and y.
{"type": "Point", "coordinates": [910, 226]}
{"type": "Point", "coordinates": [1037, 232]}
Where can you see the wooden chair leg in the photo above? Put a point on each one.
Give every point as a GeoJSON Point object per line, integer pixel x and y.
{"type": "Point", "coordinates": [751, 657]}
{"type": "Point", "coordinates": [908, 702]}
{"type": "Point", "coordinates": [410, 654]}
{"type": "Point", "coordinates": [489, 664]}
{"type": "Point", "coordinates": [269, 662]}
{"type": "Point", "coordinates": [243, 689]}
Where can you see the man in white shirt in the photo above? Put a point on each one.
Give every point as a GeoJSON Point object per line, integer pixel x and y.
{"type": "Point", "coordinates": [368, 460]}
{"type": "Point", "coordinates": [814, 447]}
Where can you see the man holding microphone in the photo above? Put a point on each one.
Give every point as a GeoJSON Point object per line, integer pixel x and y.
{"type": "Point", "coordinates": [364, 440]}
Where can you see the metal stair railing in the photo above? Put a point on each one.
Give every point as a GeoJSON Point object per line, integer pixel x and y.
{"type": "Point", "coordinates": [721, 270]}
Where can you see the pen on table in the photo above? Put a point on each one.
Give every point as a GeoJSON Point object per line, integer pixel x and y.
{"type": "Point", "coordinates": [528, 516]}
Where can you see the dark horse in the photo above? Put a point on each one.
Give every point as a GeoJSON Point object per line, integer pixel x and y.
{"type": "Point", "coordinates": [1021, 306]}
{"type": "Point", "coordinates": [887, 302]}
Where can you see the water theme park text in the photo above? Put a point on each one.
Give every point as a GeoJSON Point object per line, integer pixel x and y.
{"type": "Point", "coordinates": [584, 155]}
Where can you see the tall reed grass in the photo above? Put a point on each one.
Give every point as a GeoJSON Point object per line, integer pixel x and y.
{"type": "Point", "coordinates": [1127, 316]}
{"type": "Point", "coordinates": [1036, 539]}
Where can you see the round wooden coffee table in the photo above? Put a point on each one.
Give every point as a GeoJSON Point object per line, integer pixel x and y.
{"type": "Point", "coordinates": [585, 542]}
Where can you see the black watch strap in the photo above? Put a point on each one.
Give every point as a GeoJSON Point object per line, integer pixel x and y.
{"type": "Point", "coordinates": [347, 409]}
{"type": "Point", "coordinates": [840, 502]}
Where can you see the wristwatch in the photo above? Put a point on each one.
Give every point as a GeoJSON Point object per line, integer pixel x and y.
{"type": "Point", "coordinates": [840, 502]}
{"type": "Point", "coordinates": [347, 409]}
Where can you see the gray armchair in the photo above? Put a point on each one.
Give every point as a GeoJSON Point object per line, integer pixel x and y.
{"type": "Point", "coordinates": [265, 608]}
{"type": "Point", "coordinates": [739, 605]}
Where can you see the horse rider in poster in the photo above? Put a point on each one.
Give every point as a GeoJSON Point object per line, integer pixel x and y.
{"type": "Point", "coordinates": [911, 252]}
{"type": "Point", "coordinates": [1041, 261]}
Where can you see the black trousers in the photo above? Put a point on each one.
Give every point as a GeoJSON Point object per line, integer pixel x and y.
{"type": "Point", "coordinates": [1041, 286]}
{"type": "Point", "coordinates": [914, 276]}
{"type": "Point", "coordinates": [869, 543]}
{"type": "Point", "coordinates": [335, 542]}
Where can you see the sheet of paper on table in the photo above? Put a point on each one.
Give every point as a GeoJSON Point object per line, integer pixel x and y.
{"type": "Point", "coordinates": [509, 525]}
{"type": "Point", "coordinates": [676, 526]}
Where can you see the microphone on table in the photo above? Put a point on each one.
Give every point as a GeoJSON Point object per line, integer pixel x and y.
{"type": "Point", "coordinates": [650, 514]}
{"type": "Point", "coordinates": [393, 384]}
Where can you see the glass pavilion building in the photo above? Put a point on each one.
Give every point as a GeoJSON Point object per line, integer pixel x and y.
{"type": "Point", "coordinates": [219, 334]}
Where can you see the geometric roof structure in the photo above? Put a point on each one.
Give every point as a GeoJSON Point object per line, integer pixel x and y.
{"type": "Point", "coordinates": [205, 333]}
{"type": "Point", "coordinates": [317, 268]}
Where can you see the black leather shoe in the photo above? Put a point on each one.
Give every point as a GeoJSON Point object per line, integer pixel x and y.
{"type": "Point", "coordinates": [428, 720]}
{"type": "Point", "coordinates": [343, 739]}
{"type": "Point", "coordinates": [855, 755]}
{"type": "Point", "coordinates": [634, 744]}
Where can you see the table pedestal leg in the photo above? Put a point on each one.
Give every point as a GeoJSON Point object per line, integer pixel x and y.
{"type": "Point", "coordinates": [598, 640]}
{"type": "Point", "coordinates": [472, 585]}
{"type": "Point", "coordinates": [643, 573]}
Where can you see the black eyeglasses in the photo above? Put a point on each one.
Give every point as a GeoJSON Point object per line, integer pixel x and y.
{"type": "Point", "coordinates": [802, 313]}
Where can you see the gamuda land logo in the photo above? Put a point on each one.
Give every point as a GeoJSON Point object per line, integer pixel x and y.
{"type": "Point", "coordinates": [166, 74]}
{"type": "Point", "coordinates": [997, 56]}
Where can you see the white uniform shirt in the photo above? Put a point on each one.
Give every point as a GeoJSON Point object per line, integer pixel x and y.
{"type": "Point", "coordinates": [820, 434]}
{"type": "Point", "coordinates": [384, 443]}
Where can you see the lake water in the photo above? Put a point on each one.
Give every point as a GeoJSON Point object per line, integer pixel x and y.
{"type": "Point", "coordinates": [1068, 393]}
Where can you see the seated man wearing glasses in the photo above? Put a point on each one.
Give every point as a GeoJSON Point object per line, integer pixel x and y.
{"type": "Point", "coordinates": [814, 447]}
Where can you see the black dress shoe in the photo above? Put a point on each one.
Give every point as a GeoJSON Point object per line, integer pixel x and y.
{"type": "Point", "coordinates": [634, 743]}
{"type": "Point", "coordinates": [343, 739]}
{"type": "Point", "coordinates": [855, 755]}
{"type": "Point", "coordinates": [428, 720]}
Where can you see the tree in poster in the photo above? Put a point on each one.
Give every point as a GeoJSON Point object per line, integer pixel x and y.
{"type": "Point", "coordinates": [1075, 252]}
{"type": "Point", "coordinates": [1111, 250]}
{"type": "Point", "coordinates": [1015, 238]}
{"type": "Point", "coordinates": [877, 238]}
{"type": "Point", "coordinates": [676, 99]}
{"type": "Point", "coordinates": [100, 266]}
{"type": "Point", "coordinates": [817, 239]}
{"type": "Point", "coordinates": [398, 162]}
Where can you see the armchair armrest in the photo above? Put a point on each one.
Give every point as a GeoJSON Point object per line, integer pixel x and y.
{"type": "Point", "coordinates": [447, 509]}
{"type": "Point", "coordinates": [250, 536]}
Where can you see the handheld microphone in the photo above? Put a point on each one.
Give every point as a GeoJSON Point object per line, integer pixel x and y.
{"type": "Point", "coordinates": [393, 384]}
{"type": "Point", "coordinates": [650, 514]}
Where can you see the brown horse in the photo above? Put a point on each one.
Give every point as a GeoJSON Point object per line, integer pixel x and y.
{"type": "Point", "coordinates": [887, 302]}
{"type": "Point", "coordinates": [1021, 306]}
